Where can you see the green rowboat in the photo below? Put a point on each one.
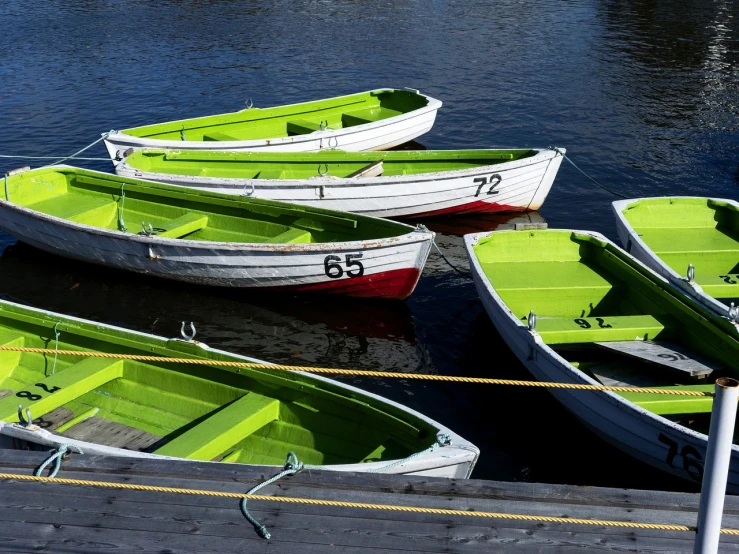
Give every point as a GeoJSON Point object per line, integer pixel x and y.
{"type": "Point", "coordinates": [372, 120]}
{"type": "Point", "coordinates": [575, 308]}
{"type": "Point", "coordinates": [133, 408]}
{"type": "Point", "coordinates": [692, 242]}
{"type": "Point", "coordinates": [211, 239]}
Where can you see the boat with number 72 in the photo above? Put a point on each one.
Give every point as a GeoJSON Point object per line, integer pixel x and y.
{"type": "Point", "coordinates": [211, 239]}
{"type": "Point", "coordinates": [383, 184]}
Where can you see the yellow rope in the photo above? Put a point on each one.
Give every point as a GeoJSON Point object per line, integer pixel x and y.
{"type": "Point", "coordinates": [353, 372]}
{"type": "Point", "coordinates": [361, 505]}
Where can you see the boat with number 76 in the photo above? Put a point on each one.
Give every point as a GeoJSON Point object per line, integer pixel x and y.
{"type": "Point", "coordinates": [208, 238]}
{"type": "Point", "coordinates": [102, 401]}
{"type": "Point", "coordinates": [575, 308]}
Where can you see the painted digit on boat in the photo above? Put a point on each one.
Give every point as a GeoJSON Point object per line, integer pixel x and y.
{"type": "Point", "coordinates": [672, 452]}
{"type": "Point", "coordinates": [582, 323]}
{"type": "Point", "coordinates": [692, 462]}
{"type": "Point", "coordinates": [28, 395]}
{"type": "Point", "coordinates": [46, 388]}
{"type": "Point", "coordinates": [728, 279]}
{"type": "Point", "coordinates": [483, 181]}
{"type": "Point", "coordinates": [351, 262]}
{"type": "Point", "coordinates": [602, 324]}
{"type": "Point", "coordinates": [329, 263]}
{"type": "Point", "coordinates": [494, 183]}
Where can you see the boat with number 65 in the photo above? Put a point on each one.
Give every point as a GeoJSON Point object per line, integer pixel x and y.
{"type": "Point", "coordinates": [372, 120]}
{"type": "Point", "coordinates": [575, 308]}
{"type": "Point", "coordinates": [384, 184]}
{"type": "Point", "coordinates": [208, 238]}
{"type": "Point", "coordinates": [100, 401]}
{"type": "Point", "coordinates": [692, 242]}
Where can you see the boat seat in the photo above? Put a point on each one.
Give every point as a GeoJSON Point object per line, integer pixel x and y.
{"type": "Point", "coordinates": [561, 330]}
{"type": "Point", "coordinates": [183, 225]}
{"type": "Point", "coordinates": [661, 404]}
{"type": "Point", "coordinates": [361, 117]}
{"type": "Point", "coordinates": [217, 136]}
{"type": "Point", "coordinates": [63, 386]}
{"type": "Point", "coordinates": [80, 208]}
{"type": "Point", "coordinates": [302, 127]}
{"type": "Point", "coordinates": [725, 285]}
{"type": "Point", "coordinates": [270, 174]}
{"type": "Point", "coordinates": [224, 428]}
{"type": "Point", "coordinates": [292, 236]}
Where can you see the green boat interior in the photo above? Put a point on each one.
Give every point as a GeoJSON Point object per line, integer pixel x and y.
{"type": "Point", "coordinates": [304, 165]}
{"type": "Point", "coordinates": [286, 121]}
{"type": "Point", "coordinates": [611, 318]}
{"type": "Point", "coordinates": [110, 202]}
{"type": "Point", "coordinates": [192, 411]}
{"type": "Point", "coordinates": [698, 231]}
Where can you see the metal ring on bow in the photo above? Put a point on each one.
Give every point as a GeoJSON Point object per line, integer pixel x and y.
{"type": "Point", "coordinates": [336, 143]}
{"type": "Point", "coordinates": [249, 104]}
{"type": "Point", "coordinates": [322, 173]}
{"type": "Point", "coordinates": [323, 125]}
{"type": "Point", "coordinates": [148, 232]}
{"type": "Point", "coordinates": [251, 183]}
{"type": "Point", "coordinates": [532, 320]}
{"type": "Point", "coordinates": [691, 272]}
{"type": "Point", "coordinates": [28, 419]}
{"type": "Point", "coordinates": [185, 336]}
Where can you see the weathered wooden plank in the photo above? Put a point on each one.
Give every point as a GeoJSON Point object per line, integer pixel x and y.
{"type": "Point", "coordinates": [665, 354]}
{"type": "Point", "coordinates": [406, 485]}
{"type": "Point", "coordinates": [54, 419]}
{"type": "Point", "coordinates": [110, 433]}
{"type": "Point", "coordinates": [351, 527]}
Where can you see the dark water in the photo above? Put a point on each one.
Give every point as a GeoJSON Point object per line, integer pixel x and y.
{"type": "Point", "coordinates": [643, 94]}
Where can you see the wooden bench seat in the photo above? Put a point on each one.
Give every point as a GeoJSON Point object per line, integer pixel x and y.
{"type": "Point", "coordinates": [225, 428]}
{"type": "Point", "coordinates": [63, 386]}
{"type": "Point", "coordinates": [270, 174]}
{"type": "Point", "coordinates": [302, 127]}
{"type": "Point", "coordinates": [80, 208]}
{"type": "Point", "coordinates": [292, 236]}
{"type": "Point", "coordinates": [217, 136]}
{"type": "Point", "coordinates": [661, 404]}
{"type": "Point", "coordinates": [560, 330]}
{"type": "Point", "coordinates": [183, 225]}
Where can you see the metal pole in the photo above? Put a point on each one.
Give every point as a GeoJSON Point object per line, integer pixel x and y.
{"type": "Point", "coordinates": [716, 470]}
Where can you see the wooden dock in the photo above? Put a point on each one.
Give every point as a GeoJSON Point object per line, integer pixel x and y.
{"type": "Point", "coordinates": [53, 517]}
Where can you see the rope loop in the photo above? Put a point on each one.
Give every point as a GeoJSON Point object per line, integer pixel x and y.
{"type": "Point", "coordinates": [57, 456]}
{"type": "Point", "coordinates": [292, 466]}
{"type": "Point", "coordinates": [56, 345]}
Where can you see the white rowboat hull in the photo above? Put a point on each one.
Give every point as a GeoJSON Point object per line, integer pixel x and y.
{"type": "Point", "coordinates": [635, 246]}
{"type": "Point", "coordinates": [379, 135]}
{"type": "Point", "coordinates": [522, 185]}
{"type": "Point", "coordinates": [650, 438]}
{"type": "Point", "coordinates": [387, 267]}
{"type": "Point", "coordinates": [454, 461]}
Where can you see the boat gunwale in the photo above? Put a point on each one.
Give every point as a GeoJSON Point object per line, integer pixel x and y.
{"type": "Point", "coordinates": [432, 105]}
{"type": "Point", "coordinates": [413, 236]}
{"type": "Point", "coordinates": [576, 375]}
{"type": "Point", "coordinates": [656, 263]}
{"type": "Point", "coordinates": [351, 392]}
{"type": "Point", "coordinates": [543, 155]}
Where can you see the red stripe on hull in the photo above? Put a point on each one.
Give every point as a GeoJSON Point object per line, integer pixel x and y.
{"type": "Point", "coordinates": [476, 207]}
{"type": "Point", "coordinates": [396, 284]}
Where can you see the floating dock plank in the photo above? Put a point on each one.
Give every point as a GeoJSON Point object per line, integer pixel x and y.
{"type": "Point", "coordinates": [52, 517]}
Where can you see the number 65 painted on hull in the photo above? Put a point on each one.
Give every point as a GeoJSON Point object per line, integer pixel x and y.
{"type": "Point", "coordinates": [333, 269]}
